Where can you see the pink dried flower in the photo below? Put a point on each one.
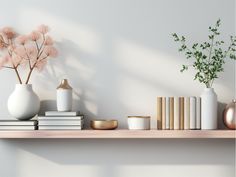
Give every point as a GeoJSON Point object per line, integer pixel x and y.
{"type": "Point", "coordinates": [22, 39]}
{"type": "Point", "coordinates": [40, 65]}
{"type": "Point", "coordinates": [2, 45]}
{"type": "Point", "coordinates": [34, 35]}
{"type": "Point", "coordinates": [16, 60]}
{"type": "Point", "coordinates": [48, 40]}
{"type": "Point", "coordinates": [11, 47]}
{"type": "Point", "coordinates": [43, 29]}
{"type": "Point", "coordinates": [50, 51]}
{"type": "Point", "coordinates": [31, 51]}
{"type": "Point", "coordinates": [20, 51]}
{"type": "Point", "coordinates": [8, 32]}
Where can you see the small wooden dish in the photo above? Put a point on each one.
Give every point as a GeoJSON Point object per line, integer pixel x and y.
{"type": "Point", "coordinates": [104, 124]}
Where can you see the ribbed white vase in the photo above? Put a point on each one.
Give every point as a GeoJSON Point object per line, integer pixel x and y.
{"type": "Point", "coordinates": [23, 103]}
{"type": "Point", "coordinates": [208, 109]}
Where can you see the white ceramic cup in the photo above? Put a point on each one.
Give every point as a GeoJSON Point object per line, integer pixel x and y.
{"type": "Point", "coordinates": [139, 122]}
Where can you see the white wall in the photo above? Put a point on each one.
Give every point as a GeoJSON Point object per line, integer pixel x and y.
{"type": "Point", "coordinates": [118, 56]}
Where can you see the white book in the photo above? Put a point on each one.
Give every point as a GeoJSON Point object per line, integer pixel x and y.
{"type": "Point", "coordinates": [5, 127]}
{"type": "Point", "coordinates": [192, 112]}
{"type": "Point", "coordinates": [186, 113]}
{"type": "Point", "coordinates": [167, 113]}
{"type": "Point", "coordinates": [59, 113]}
{"type": "Point", "coordinates": [176, 114]}
{"type": "Point", "coordinates": [18, 122]}
{"type": "Point", "coordinates": [198, 113]}
{"type": "Point", "coordinates": [60, 122]}
{"type": "Point", "coordinates": [61, 118]}
{"type": "Point", "coordinates": [60, 128]}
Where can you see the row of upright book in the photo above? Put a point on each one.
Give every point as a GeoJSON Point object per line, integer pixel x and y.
{"type": "Point", "coordinates": [178, 113]}
{"type": "Point", "coordinates": [52, 120]}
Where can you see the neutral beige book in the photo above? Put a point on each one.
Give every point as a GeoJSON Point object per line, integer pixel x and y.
{"type": "Point", "coordinates": [171, 113]}
{"type": "Point", "coordinates": [167, 113]}
{"type": "Point", "coordinates": [198, 113]}
{"type": "Point", "coordinates": [193, 113]}
{"type": "Point", "coordinates": [163, 113]}
{"type": "Point", "coordinates": [181, 99]}
{"type": "Point", "coordinates": [176, 113]}
{"type": "Point", "coordinates": [186, 113]}
{"type": "Point", "coordinates": [159, 113]}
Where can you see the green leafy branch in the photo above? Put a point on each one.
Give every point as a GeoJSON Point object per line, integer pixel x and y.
{"type": "Point", "coordinates": [209, 57]}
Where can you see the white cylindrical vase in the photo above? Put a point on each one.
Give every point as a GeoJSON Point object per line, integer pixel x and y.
{"type": "Point", "coordinates": [208, 109]}
{"type": "Point", "coordinates": [23, 103]}
{"type": "Point", "coordinates": [64, 96]}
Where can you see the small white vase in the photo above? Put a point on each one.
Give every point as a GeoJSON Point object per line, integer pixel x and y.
{"type": "Point", "coordinates": [208, 109]}
{"type": "Point", "coordinates": [64, 96]}
{"type": "Point", "coordinates": [23, 103]}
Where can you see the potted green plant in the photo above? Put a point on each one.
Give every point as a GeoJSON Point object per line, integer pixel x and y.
{"type": "Point", "coordinates": [208, 61]}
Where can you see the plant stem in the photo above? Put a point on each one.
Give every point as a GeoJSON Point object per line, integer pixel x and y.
{"type": "Point", "coordinates": [17, 74]}
{"type": "Point", "coordinates": [28, 77]}
{"type": "Point", "coordinates": [209, 61]}
{"type": "Point", "coordinates": [40, 51]}
{"type": "Point", "coordinates": [9, 67]}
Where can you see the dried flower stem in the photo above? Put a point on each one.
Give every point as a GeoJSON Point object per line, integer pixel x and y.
{"type": "Point", "coordinates": [39, 53]}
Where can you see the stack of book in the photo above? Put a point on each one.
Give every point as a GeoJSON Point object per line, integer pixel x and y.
{"type": "Point", "coordinates": [178, 113]}
{"type": "Point", "coordinates": [54, 120]}
{"type": "Point", "coordinates": [11, 124]}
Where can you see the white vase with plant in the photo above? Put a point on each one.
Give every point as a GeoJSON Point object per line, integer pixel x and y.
{"type": "Point", "coordinates": [209, 58]}
{"type": "Point", "coordinates": [25, 53]}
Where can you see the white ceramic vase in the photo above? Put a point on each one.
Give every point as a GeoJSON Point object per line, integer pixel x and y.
{"type": "Point", "coordinates": [64, 96]}
{"type": "Point", "coordinates": [208, 109]}
{"type": "Point", "coordinates": [23, 103]}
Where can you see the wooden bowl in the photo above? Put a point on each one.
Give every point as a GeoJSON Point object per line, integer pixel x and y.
{"type": "Point", "coordinates": [104, 124]}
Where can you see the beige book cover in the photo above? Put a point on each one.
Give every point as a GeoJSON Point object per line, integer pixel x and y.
{"type": "Point", "coordinates": [193, 113]}
{"type": "Point", "coordinates": [171, 113]}
{"type": "Point", "coordinates": [159, 113]}
{"type": "Point", "coordinates": [181, 99]}
{"type": "Point", "coordinates": [198, 113]}
{"type": "Point", "coordinates": [176, 113]}
{"type": "Point", "coordinates": [186, 113]}
{"type": "Point", "coordinates": [167, 113]}
{"type": "Point", "coordinates": [163, 113]}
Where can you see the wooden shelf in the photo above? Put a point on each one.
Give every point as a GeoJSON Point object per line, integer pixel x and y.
{"type": "Point", "coordinates": [122, 134]}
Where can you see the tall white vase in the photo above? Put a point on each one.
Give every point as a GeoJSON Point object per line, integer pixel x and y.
{"type": "Point", "coordinates": [23, 103]}
{"type": "Point", "coordinates": [208, 109]}
{"type": "Point", "coordinates": [64, 96]}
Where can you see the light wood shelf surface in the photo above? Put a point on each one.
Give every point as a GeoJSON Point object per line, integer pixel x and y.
{"type": "Point", "coordinates": [122, 134]}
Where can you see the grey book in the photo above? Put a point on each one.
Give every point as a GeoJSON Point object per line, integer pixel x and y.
{"type": "Point", "coordinates": [5, 127]}
{"type": "Point", "coordinates": [60, 122]}
{"type": "Point", "coordinates": [60, 128]}
{"type": "Point", "coordinates": [61, 117]}
{"type": "Point", "coordinates": [58, 113]}
{"type": "Point", "coordinates": [18, 122]}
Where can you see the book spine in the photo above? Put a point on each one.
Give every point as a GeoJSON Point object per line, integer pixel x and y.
{"type": "Point", "coordinates": [60, 117]}
{"type": "Point", "coordinates": [171, 113]}
{"type": "Point", "coordinates": [159, 113]}
{"type": "Point", "coordinates": [192, 113]}
{"type": "Point", "coordinates": [186, 113]}
{"type": "Point", "coordinates": [167, 113]}
{"type": "Point", "coordinates": [176, 113]}
{"type": "Point", "coordinates": [198, 113]}
{"type": "Point", "coordinates": [181, 99]}
{"type": "Point", "coordinates": [60, 127]}
{"type": "Point", "coordinates": [163, 113]}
